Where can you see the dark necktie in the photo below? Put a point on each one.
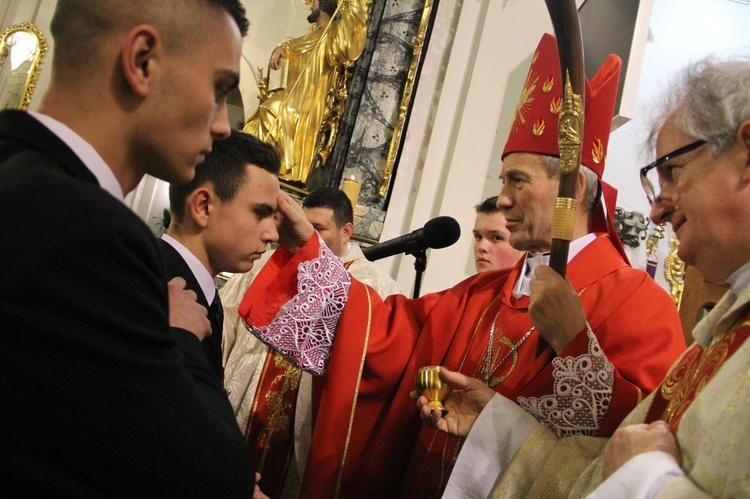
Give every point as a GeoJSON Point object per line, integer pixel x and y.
{"type": "Point", "coordinates": [217, 315]}
{"type": "Point", "coordinates": [213, 342]}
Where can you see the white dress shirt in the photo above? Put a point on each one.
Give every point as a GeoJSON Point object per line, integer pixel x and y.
{"type": "Point", "coordinates": [202, 275]}
{"type": "Point", "coordinates": [85, 152]}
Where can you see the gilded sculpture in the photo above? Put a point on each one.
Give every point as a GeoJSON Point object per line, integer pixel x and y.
{"type": "Point", "coordinates": [294, 115]}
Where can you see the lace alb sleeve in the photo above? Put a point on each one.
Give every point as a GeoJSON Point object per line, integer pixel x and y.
{"type": "Point", "coordinates": [304, 328]}
{"type": "Point", "coordinates": [581, 396]}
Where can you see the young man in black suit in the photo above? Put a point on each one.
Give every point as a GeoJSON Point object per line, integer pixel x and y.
{"type": "Point", "coordinates": [222, 221]}
{"type": "Point", "coordinates": [100, 397]}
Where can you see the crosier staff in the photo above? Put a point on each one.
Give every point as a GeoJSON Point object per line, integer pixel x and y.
{"type": "Point", "coordinates": [564, 15]}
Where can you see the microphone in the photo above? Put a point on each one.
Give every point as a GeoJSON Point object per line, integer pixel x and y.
{"type": "Point", "coordinates": [439, 232]}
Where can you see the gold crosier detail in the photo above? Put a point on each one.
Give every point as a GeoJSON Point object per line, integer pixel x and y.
{"type": "Point", "coordinates": [569, 138]}
{"type": "Point", "coordinates": [569, 133]}
{"type": "Point", "coordinates": [564, 218]}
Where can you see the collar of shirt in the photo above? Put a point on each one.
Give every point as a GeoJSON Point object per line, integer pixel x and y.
{"type": "Point", "coordinates": [521, 287]}
{"type": "Point", "coordinates": [740, 279]}
{"type": "Point", "coordinates": [726, 312]}
{"type": "Point", "coordinates": [202, 275]}
{"type": "Point", "coordinates": [353, 252]}
{"type": "Point", "coordinates": [85, 152]}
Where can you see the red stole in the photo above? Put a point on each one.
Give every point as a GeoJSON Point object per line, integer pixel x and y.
{"type": "Point", "coordinates": [692, 373]}
{"type": "Point", "coordinates": [270, 427]}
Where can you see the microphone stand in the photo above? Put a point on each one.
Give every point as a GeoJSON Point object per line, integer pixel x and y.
{"type": "Point", "coordinates": [420, 264]}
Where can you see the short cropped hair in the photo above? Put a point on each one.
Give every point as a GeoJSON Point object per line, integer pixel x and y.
{"type": "Point", "coordinates": [225, 168]}
{"type": "Point", "coordinates": [80, 26]}
{"type": "Point", "coordinates": [488, 206]}
{"type": "Point", "coordinates": [333, 199]}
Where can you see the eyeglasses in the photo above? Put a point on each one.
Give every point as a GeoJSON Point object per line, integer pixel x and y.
{"type": "Point", "coordinates": [650, 176]}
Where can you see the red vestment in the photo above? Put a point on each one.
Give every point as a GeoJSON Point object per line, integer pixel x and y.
{"type": "Point", "coordinates": [368, 439]}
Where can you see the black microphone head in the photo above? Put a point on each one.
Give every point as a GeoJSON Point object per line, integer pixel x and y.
{"type": "Point", "coordinates": [440, 232]}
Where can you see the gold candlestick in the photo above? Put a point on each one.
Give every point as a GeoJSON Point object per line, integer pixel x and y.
{"type": "Point", "coordinates": [351, 189]}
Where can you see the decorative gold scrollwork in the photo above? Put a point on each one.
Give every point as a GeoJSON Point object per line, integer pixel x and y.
{"type": "Point", "coordinates": [405, 100]}
{"type": "Point", "coordinates": [674, 271]}
{"type": "Point", "coordinates": [570, 131]}
{"type": "Point", "coordinates": [22, 47]}
{"type": "Point", "coordinates": [334, 109]}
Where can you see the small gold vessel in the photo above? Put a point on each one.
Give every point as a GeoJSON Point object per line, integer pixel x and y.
{"type": "Point", "coordinates": [429, 383]}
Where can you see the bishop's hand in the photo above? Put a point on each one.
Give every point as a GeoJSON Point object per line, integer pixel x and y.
{"type": "Point", "coordinates": [554, 308]}
{"type": "Point", "coordinates": [464, 404]}
{"type": "Point", "coordinates": [293, 227]}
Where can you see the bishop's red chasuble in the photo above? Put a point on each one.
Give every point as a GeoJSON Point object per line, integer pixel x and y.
{"type": "Point", "coordinates": [368, 440]}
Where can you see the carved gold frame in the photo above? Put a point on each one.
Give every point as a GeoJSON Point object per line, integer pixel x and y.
{"type": "Point", "coordinates": [403, 109]}
{"type": "Point", "coordinates": [32, 75]}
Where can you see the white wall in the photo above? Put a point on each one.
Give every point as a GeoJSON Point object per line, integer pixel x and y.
{"type": "Point", "coordinates": [681, 31]}
{"type": "Point", "coordinates": [475, 108]}
{"type": "Point", "coordinates": [452, 162]}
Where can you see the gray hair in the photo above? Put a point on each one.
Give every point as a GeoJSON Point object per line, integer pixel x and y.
{"type": "Point", "coordinates": [709, 101]}
{"type": "Point", "coordinates": [591, 196]}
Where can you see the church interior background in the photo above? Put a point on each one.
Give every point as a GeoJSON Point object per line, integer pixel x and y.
{"type": "Point", "coordinates": [472, 61]}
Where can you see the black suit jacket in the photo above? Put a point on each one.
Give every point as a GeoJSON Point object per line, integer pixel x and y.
{"type": "Point", "coordinates": [175, 266]}
{"type": "Point", "coordinates": [99, 396]}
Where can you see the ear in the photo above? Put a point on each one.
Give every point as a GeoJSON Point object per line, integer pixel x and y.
{"type": "Point", "coordinates": [346, 231]}
{"type": "Point", "coordinates": [142, 45]}
{"type": "Point", "coordinates": [743, 135]}
{"type": "Point", "coordinates": [199, 206]}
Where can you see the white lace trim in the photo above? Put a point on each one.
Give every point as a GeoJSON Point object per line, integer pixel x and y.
{"type": "Point", "coordinates": [304, 328]}
{"type": "Point", "coordinates": [581, 396]}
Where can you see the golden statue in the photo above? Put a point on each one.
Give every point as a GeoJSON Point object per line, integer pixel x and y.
{"type": "Point", "coordinates": [291, 113]}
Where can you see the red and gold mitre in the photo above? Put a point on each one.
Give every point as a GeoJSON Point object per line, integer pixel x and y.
{"type": "Point", "coordinates": [535, 123]}
{"type": "Point", "coordinates": [534, 127]}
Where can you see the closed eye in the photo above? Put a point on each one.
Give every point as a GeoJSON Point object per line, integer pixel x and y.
{"type": "Point", "coordinates": [264, 211]}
